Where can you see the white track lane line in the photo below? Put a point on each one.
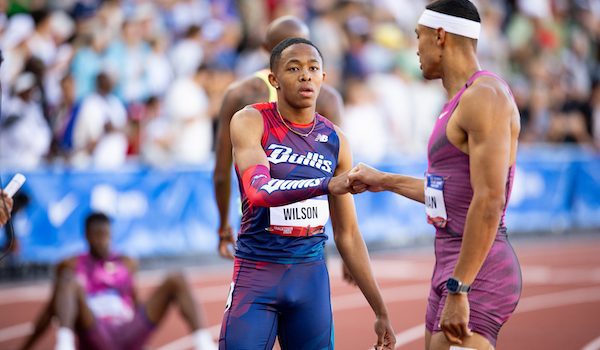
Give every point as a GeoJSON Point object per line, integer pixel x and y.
{"type": "Point", "coordinates": [593, 345]}
{"type": "Point", "coordinates": [16, 331]}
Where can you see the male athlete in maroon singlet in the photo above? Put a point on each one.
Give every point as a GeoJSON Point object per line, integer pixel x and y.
{"type": "Point", "coordinates": [472, 150]}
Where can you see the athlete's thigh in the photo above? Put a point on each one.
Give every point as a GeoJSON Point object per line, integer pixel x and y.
{"type": "Point", "coordinates": [250, 319]}
{"type": "Point", "coordinates": [475, 341]}
{"type": "Point", "coordinates": [306, 320]}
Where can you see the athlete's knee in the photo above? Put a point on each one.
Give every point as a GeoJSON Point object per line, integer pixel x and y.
{"type": "Point", "coordinates": [176, 280]}
{"type": "Point", "coordinates": [67, 282]}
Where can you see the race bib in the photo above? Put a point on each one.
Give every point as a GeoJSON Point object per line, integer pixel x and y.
{"type": "Point", "coordinates": [435, 207]}
{"type": "Point", "coordinates": [110, 305]}
{"type": "Point", "coordinates": [310, 213]}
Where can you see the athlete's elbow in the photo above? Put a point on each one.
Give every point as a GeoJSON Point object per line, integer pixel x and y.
{"type": "Point", "coordinates": [492, 204]}
{"type": "Point", "coordinates": [345, 237]}
{"type": "Point", "coordinates": [256, 200]}
{"type": "Point", "coordinates": [220, 178]}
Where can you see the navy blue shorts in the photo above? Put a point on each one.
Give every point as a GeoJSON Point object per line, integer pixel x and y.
{"type": "Point", "coordinates": [291, 301]}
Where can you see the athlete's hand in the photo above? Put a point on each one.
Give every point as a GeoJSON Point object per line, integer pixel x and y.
{"type": "Point", "coordinates": [225, 242]}
{"type": "Point", "coordinates": [386, 338]}
{"type": "Point", "coordinates": [6, 204]}
{"type": "Point", "coordinates": [365, 178]}
{"type": "Point", "coordinates": [454, 321]}
{"type": "Point", "coordinates": [339, 185]}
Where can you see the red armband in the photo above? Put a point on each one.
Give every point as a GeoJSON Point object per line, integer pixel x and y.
{"type": "Point", "coordinates": [263, 191]}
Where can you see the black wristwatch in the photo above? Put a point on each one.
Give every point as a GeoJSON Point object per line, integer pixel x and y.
{"type": "Point", "coordinates": [455, 286]}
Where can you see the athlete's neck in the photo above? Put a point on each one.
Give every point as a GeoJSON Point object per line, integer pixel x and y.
{"type": "Point", "coordinates": [296, 115]}
{"type": "Point", "coordinates": [459, 65]}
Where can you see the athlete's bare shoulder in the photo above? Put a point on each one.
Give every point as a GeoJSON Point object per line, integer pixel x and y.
{"type": "Point", "coordinates": [488, 96]}
{"type": "Point", "coordinates": [247, 91]}
{"type": "Point", "coordinates": [330, 104]}
{"type": "Point", "coordinates": [248, 114]}
{"type": "Point", "coordinates": [131, 263]}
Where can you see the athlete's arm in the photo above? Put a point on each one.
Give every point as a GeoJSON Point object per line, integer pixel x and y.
{"type": "Point", "coordinates": [354, 252]}
{"type": "Point", "coordinates": [222, 173]}
{"type": "Point", "coordinates": [488, 129]}
{"type": "Point", "coordinates": [132, 266]}
{"type": "Point", "coordinates": [330, 104]}
{"type": "Point", "coordinates": [250, 158]}
{"type": "Point", "coordinates": [44, 319]}
{"type": "Point", "coordinates": [364, 177]}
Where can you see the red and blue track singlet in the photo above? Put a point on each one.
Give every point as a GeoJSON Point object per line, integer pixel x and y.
{"type": "Point", "coordinates": [291, 233]}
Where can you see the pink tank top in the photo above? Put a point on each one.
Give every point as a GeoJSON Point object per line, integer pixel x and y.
{"type": "Point", "coordinates": [108, 286]}
{"type": "Point", "coordinates": [448, 172]}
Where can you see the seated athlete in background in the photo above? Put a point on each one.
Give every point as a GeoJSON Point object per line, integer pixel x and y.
{"type": "Point", "coordinates": [287, 158]}
{"type": "Point", "coordinates": [95, 298]}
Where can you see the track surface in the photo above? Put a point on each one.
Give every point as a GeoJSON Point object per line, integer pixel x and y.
{"type": "Point", "coordinates": [559, 308]}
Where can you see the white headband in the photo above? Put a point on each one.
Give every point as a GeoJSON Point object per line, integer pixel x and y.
{"type": "Point", "coordinates": [451, 24]}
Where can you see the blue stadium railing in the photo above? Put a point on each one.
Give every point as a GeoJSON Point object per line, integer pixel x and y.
{"type": "Point", "coordinates": [169, 213]}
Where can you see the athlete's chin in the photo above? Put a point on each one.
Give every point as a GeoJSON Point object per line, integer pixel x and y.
{"type": "Point", "coordinates": [429, 75]}
{"type": "Point", "coordinates": [304, 103]}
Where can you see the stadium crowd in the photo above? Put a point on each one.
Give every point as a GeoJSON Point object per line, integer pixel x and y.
{"type": "Point", "coordinates": [90, 83]}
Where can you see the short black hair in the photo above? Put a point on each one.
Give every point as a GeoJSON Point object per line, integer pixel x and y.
{"type": "Point", "coordinates": [95, 217]}
{"type": "Point", "coordinates": [458, 8]}
{"type": "Point", "coordinates": [278, 49]}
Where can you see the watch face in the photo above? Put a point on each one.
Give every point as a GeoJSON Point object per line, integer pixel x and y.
{"type": "Point", "coordinates": [452, 285]}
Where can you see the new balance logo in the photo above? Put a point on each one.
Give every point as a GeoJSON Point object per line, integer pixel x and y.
{"type": "Point", "coordinates": [322, 138]}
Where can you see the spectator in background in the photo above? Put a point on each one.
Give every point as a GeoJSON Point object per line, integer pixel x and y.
{"type": "Point", "coordinates": [88, 61]}
{"type": "Point", "coordinates": [187, 109]}
{"type": "Point", "coordinates": [63, 120]}
{"type": "Point", "coordinates": [41, 43]}
{"type": "Point", "coordinates": [127, 59]}
{"type": "Point", "coordinates": [99, 132]}
{"type": "Point", "coordinates": [187, 53]}
{"type": "Point", "coordinates": [160, 72]}
{"type": "Point", "coordinates": [364, 123]}
{"type": "Point", "coordinates": [155, 137]}
{"type": "Point", "coordinates": [595, 111]}
{"type": "Point", "coordinates": [24, 132]}
{"type": "Point", "coordinates": [15, 48]}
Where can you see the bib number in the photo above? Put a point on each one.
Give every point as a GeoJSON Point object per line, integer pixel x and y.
{"type": "Point", "coordinates": [311, 213]}
{"type": "Point", "coordinates": [110, 305]}
{"type": "Point", "coordinates": [435, 208]}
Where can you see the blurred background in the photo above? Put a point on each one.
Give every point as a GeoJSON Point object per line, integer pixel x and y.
{"type": "Point", "coordinates": [112, 105]}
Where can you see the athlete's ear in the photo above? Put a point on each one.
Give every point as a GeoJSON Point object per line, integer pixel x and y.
{"type": "Point", "coordinates": [273, 81]}
{"type": "Point", "coordinates": [441, 36]}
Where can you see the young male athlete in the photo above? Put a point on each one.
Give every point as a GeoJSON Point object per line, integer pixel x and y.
{"type": "Point", "coordinates": [472, 151]}
{"type": "Point", "coordinates": [255, 89]}
{"type": "Point", "coordinates": [288, 158]}
{"type": "Point", "coordinates": [95, 298]}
